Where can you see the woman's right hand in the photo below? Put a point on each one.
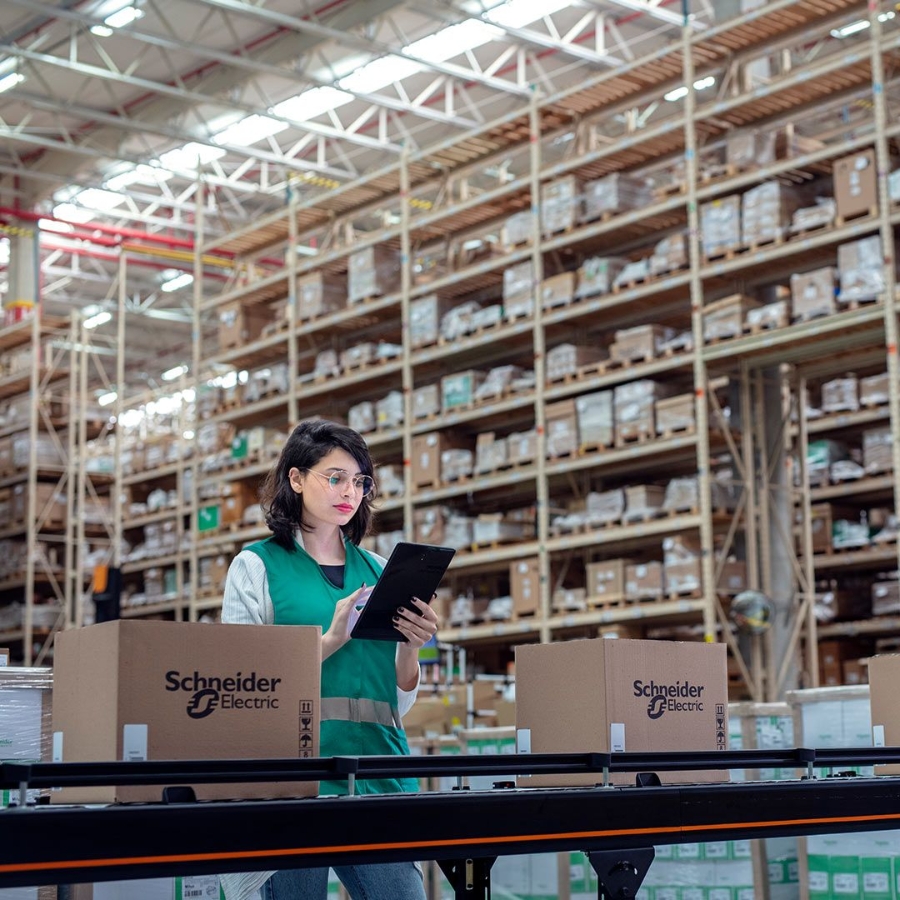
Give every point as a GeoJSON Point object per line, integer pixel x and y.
{"type": "Point", "coordinates": [343, 620]}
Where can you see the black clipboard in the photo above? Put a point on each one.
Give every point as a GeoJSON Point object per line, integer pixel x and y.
{"type": "Point", "coordinates": [413, 570]}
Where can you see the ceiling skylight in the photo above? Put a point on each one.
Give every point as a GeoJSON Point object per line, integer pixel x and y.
{"type": "Point", "coordinates": [250, 130]}
{"type": "Point", "coordinates": [190, 156]}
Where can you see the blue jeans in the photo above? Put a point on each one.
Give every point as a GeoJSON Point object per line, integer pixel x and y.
{"type": "Point", "coordinates": [375, 881]}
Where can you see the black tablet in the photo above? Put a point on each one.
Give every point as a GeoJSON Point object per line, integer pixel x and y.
{"type": "Point", "coordinates": [413, 570]}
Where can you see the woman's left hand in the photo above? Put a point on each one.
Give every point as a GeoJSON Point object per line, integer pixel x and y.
{"type": "Point", "coordinates": [417, 627]}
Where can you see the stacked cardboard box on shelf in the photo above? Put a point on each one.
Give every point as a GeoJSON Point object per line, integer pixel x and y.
{"type": "Point", "coordinates": [813, 293]}
{"type": "Point", "coordinates": [597, 275]}
{"type": "Point", "coordinates": [240, 324]}
{"type": "Point", "coordinates": [724, 319]}
{"type": "Point", "coordinates": [856, 184]}
{"type": "Point", "coordinates": [518, 289]}
{"type": "Point", "coordinates": [425, 315]}
{"type": "Point", "coordinates": [560, 204]}
{"type": "Point", "coordinates": [564, 360]}
{"type": "Point", "coordinates": [595, 419]}
{"type": "Point", "coordinates": [615, 193]}
{"type": "Point", "coordinates": [319, 294]}
{"type": "Point", "coordinates": [640, 342]}
{"type": "Point", "coordinates": [372, 272]}
{"type": "Point", "coordinates": [720, 224]}
{"type": "Point", "coordinates": [861, 270]}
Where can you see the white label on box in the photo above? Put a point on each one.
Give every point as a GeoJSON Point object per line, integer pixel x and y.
{"type": "Point", "coordinates": [4, 659]}
{"type": "Point", "coordinates": [616, 737]}
{"type": "Point", "coordinates": [846, 883]}
{"type": "Point", "coordinates": [523, 740]}
{"type": "Point", "coordinates": [20, 723]}
{"type": "Point", "coordinates": [876, 883]}
{"type": "Point", "coordinates": [818, 882]}
{"type": "Point", "coordinates": [57, 746]}
{"type": "Point", "coordinates": [878, 735]}
{"type": "Point", "coordinates": [134, 743]}
{"type": "Point", "coordinates": [197, 887]}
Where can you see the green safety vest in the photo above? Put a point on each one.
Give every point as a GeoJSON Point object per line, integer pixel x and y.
{"type": "Point", "coordinates": [359, 681]}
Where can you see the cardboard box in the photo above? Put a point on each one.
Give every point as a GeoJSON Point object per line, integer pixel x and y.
{"type": "Point", "coordinates": [596, 422]}
{"type": "Point", "coordinates": [561, 428]}
{"type": "Point", "coordinates": [558, 290]}
{"type": "Point", "coordinates": [373, 271]}
{"type": "Point", "coordinates": [319, 294]}
{"type": "Point", "coordinates": [239, 325]}
{"type": "Point", "coordinates": [425, 316]}
{"type": "Point", "coordinates": [458, 390]}
{"type": "Point", "coordinates": [623, 695]}
{"type": "Point", "coordinates": [884, 672]}
{"type": "Point", "coordinates": [236, 496]}
{"type": "Point", "coordinates": [725, 318]}
{"type": "Point", "coordinates": [560, 204]}
{"type": "Point", "coordinates": [640, 343]}
{"type": "Point", "coordinates": [856, 184]}
{"type": "Point", "coordinates": [813, 293]}
{"type": "Point", "coordinates": [521, 446]}
{"type": "Point", "coordinates": [675, 414]}
{"type": "Point", "coordinates": [720, 224]}
{"type": "Point", "coordinates": [426, 456]}
{"type": "Point", "coordinates": [565, 359]}
{"type": "Point", "coordinates": [49, 505]}
{"type": "Point", "coordinates": [525, 587]}
{"type": "Point", "coordinates": [644, 581]}
{"type": "Point", "coordinates": [134, 690]}
{"type": "Point", "coordinates": [606, 580]}
{"type": "Point", "coordinates": [427, 401]}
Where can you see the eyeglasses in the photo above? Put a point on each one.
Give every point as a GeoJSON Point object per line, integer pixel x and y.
{"type": "Point", "coordinates": [339, 479]}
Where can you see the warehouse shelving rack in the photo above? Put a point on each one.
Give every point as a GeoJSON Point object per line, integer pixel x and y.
{"type": "Point", "coordinates": [431, 202]}
{"type": "Point", "coordinates": [42, 585]}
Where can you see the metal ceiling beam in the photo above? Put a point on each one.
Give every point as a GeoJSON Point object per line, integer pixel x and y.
{"type": "Point", "coordinates": [527, 35]}
{"type": "Point", "coordinates": [248, 64]}
{"type": "Point", "coordinates": [348, 39]}
{"type": "Point", "coordinates": [655, 12]}
{"type": "Point", "coordinates": [181, 93]}
{"type": "Point", "coordinates": [283, 47]}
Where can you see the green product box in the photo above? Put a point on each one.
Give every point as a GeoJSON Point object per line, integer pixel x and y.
{"type": "Point", "coordinates": [687, 851]}
{"type": "Point", "coordinates": [694, 893]}
{"type": "Point", "coordinates": [198, 887]}
{"type": "Point", "coordinates": [666, 851]}
{"type": "Point", "coordinates": [667, 892]}
{"type": "Point", "coordinates": [582, 879]}
{"type": "Point", "coordinates": [875, 877]}
{"type": "Point", "coordinates": [844, 876]}
{"type": "Point", "coordinates": [778, 871]}
{"type": "Point", "coordinates": [170, 581]}
{"type": "Point", "coordinates": [740, 850]}
{"type": "Point", "coordinates": [744, 893]}
{"type": "Point", "coordinates": [645, 893]}
{"type": "Point", "coordinates": [721, 893]}
{"type": "Point", "coordinates": [239, 446]}
{"type": "Point", "coordinates": [716, 850]}
{"type": "Point", "coordinates": [208, 518]}
{"type": "Point", "coordinates": [819, 881]}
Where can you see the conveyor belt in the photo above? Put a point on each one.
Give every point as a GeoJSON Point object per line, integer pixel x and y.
{"type": "Point", "coordinates": [47, 844]}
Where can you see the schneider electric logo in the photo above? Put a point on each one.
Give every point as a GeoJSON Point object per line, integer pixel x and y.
{"type": "Point", "coordinates": [677, 696]}
{"type": "Point", "coordinates": [207, 693]}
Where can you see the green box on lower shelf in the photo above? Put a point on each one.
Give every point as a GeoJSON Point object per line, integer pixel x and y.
{"type": "Point", "coordinates": [208, 518]}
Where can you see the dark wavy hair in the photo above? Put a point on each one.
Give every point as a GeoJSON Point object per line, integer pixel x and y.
{"type": "Point", "coordinates": [308, 443]}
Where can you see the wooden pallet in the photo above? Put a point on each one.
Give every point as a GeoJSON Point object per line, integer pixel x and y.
{"type": "Point", "coordinates": [643, 437]}
{"type": "Point", "coordinates": [773, 241]}
{"type": "Point", "coordinates": [720, 255]}
{"type": "Point", "coordinates": [870, 213]}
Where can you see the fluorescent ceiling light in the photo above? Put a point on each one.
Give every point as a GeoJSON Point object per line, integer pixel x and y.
{"type": "Point", "coordinates": [10, 81]}
{"type": "Point", "coordinates": [450, 42]}
{"type": "Point", "coordinates": [860, 25]}
{"type": "Point", "coordinates": [190, 156]}
{"type": "Point", "coordinates": [311, 103]}
{"type": "Point", "coordinates": [174, 372]}
{"type": "Point", "coordinates": [250, 130]}
{"type": "Point", "coordinates": [183, 279]}
{"type": "Point", "coordinates": [72, 213]}
{"type": "Point", "coordinates": [680, 92]}
{"type": "Point", "coordinates": [141, 174]}
{"type": "Point", "coordinates": [95, 321]}
{"type": "Point", "coordinates": [852, 28]}
{"type": "Point", "coordinates": [97, 198]}
{"type": "Point", "coordinates": [108, 398]}
{"type": "Point", "coordinates": [379, 73]}
{"type": "Point", "coordinates": [118, 19]}
{"type": "Point", "coordinates": [517, 13]}
{"type": "Point", "coordinates": [53, 225]}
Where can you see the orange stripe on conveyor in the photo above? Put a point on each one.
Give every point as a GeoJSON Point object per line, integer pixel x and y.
{"type": "Point", "coordinates": [423, 845]}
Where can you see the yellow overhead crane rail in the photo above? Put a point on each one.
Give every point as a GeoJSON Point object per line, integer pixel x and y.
{"type": "Point", "coordinates": [178, 255]}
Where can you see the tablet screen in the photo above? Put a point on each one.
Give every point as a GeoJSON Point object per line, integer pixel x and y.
{"type": "Point", "coordinates": [413, 570]}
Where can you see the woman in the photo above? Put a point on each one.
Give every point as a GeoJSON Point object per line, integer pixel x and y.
{"type": "Point", "coordinates": [311, 571]}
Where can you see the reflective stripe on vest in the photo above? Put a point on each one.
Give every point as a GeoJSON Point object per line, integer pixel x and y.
{"type": "Point", "coordinates": [361, 709]}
